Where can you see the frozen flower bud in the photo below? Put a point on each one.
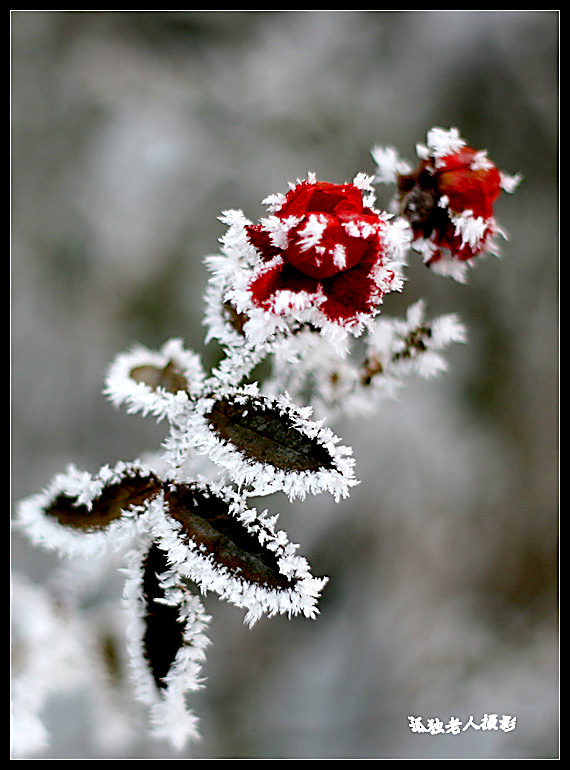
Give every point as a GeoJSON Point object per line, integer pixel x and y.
{"type": "Point", "coordinates": [448, 200]}
{"type": "Point", "coordinates": [469, 181]}
{"type": "Point", "coordinates": [333, 229]}
{"type": "Point", "coordinates": [324, 246]}
{"type": "Point", "coordinates": [461, 181]}
{"type": "Point", "coordinates": [324, 258]}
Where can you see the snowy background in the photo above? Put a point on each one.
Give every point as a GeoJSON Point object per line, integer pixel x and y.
{"type": "Point", "coordinates": [131, 132]}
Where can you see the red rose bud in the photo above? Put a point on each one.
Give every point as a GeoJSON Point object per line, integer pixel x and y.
{"type": "Point", "coordinates": [470, 181]}
{"type": "Point", "coordinates": [326, 248]}
{"type": "Point", "coordinates": [448, 199]}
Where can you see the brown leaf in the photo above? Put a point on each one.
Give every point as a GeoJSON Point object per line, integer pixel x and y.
{"type": "Point", "coordinates": [164, 633]}
{"type": "Point", "coordinates": [109, 505]}
{"type": "Point", "coordinates": [207, 520]}
{"type": "Point", "coordinates": [267, 435]}
{"type": "Point", "coordinates": [169, 377]}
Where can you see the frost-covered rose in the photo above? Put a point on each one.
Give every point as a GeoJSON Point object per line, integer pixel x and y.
{"type": "Point", "coordinates": [469, 180]}
{"type": "Point", "coordinates": [330, 232]}
{"type": "Point", "coordinates": [448, 199]}
{"type": "Point", "coordinates": [325, 254]}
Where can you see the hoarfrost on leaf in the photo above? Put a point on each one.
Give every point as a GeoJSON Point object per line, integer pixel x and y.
{"type": "Point", "coordinates": [167, 640]}
{"type": "Point", "coordinates": [83, 514]}
{"type": "Point", "coordinates": [158, 383]}
{"type": "Point", "coordinates": [263, 444]}
{"type": "Point", "coordinates": [224, 547]}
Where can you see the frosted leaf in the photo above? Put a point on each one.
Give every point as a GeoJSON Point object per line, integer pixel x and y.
{"type": "Point", "coordinates": [213, 539]}
{"type": "Point", "coordinates": [264, 444]}
{"type": "Point", "coordinates": [155, 382]}
{"type": "Point", "coordinates": [412, 345]}
{"type": "Point", "coordinates": [177, 532]}
{"type": "Point", "coordinates": [83, 514]}
{"type": "Point", "coordinates": [395, 349]}
{"type": "Point", "coordinates": [167, 642]}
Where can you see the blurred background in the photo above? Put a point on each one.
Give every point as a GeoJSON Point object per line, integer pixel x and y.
{"type": "Point", "coordinates": [131, 132]}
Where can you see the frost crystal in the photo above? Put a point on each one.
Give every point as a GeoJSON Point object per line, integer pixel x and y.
{"type": "Point", "coordinates": [300, 290]}
{"type": "Point", "coordinates": [388, 165]}
{"type": "Point", "coordinates": [440, 143]}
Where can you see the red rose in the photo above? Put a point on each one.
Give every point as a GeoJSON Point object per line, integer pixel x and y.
{"type": "Point", "coordinates": [448, 199]}
{"type": "Point", "coordinates": [443, 188]}
{"type": "Point", "coordinates": [469, 181]}
{"type": "Point", "coordinates": [325, 245]}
